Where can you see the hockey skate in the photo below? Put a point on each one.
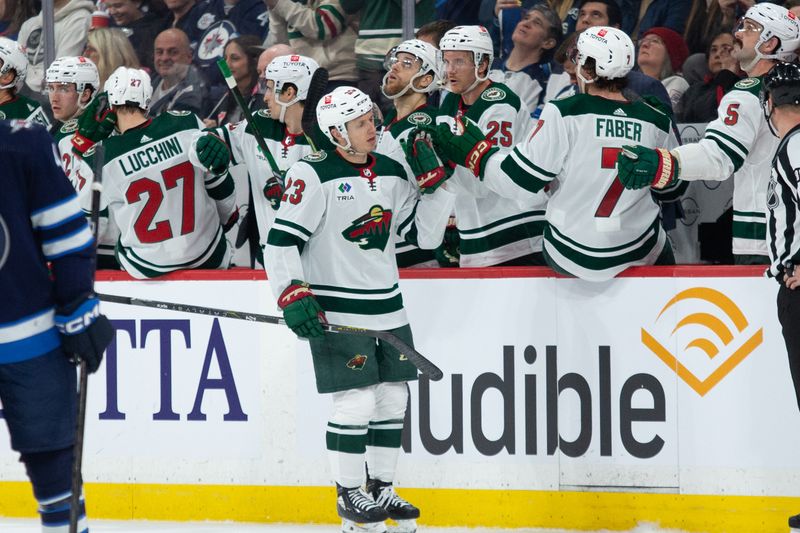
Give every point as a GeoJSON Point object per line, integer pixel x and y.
{"type": "Point", "coordinates": [794, 523]}
{"type": "Point", "coordinates": [359, 511]}
{"type": "Point", "coordinates": [399, 510]}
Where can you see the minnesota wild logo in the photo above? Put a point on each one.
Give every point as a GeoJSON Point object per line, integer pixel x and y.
{"type": "Point", "coordinates": [357, 362]}
{"type": "Point", "coordinates": [371, 230]}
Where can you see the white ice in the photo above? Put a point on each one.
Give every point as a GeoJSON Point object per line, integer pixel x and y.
{"type": "Point", "coordinates": [107, 526]}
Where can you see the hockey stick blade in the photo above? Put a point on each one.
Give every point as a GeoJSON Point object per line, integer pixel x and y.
{"type": "Point", "coordinates": [316, 90]}
{"type": "Point", "coordinates": [422, 363]}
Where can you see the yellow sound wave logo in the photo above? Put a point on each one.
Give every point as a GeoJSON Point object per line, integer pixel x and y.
{"type": "Point", "coordinates": [708, 329]}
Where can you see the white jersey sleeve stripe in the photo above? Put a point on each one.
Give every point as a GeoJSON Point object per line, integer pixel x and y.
{"type": "Point", "coordinates": [56, 214]}
{"type": "Point", "coordinates": [77, 240]}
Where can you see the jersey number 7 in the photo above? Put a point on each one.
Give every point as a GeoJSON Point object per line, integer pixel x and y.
{"type": "Point", "coordinates": [610, 199]}
{"type": "Point", "coordinates": [162, 230]}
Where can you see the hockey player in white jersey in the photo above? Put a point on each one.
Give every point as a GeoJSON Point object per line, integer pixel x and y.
{"type": "Point", "coordinates": [71, 84]}
{"type": "Point", "coordinates": [285, 83]}
{"type": "Point", "coordinates": [596, 228]}
{"type": "Point", "coordinates": [13, 69]}
{"type": "Point", "coordinates": [493, 230]}
{"type": "Point", "coordinates": [330, 252]}
{"type": "Point", "coordinates": [169, 212]}
{"type": "Point", "coordinates": [413, 72]}
{"type": "Point", "coordinates": [738, 142]}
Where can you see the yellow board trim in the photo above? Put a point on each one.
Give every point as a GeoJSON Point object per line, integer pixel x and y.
{"type": "Point", "coordinates": [440, 507]}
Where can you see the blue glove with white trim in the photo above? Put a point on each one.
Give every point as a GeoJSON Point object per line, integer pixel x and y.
{"type": "Point", "coordinates": [85, 333]}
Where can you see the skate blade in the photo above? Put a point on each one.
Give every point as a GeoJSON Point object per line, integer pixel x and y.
{"type": "Point", "coordinates": [353, 527]}
{"type": "Point", "coordinates": [407, 526]}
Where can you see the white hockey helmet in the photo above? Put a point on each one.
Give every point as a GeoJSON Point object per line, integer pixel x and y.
{"type": "Point", "coordinates": [339, 107]}
{"type": "Point", "coordinates": [13, 57]}
{"type": "Point", "coordinates": [779, 22]}
{"type": "Point", "coordinates": [611, 49]}
{"type": "Point", "coordinates": [74, 69]}
{"type": "Point", "coordinates": [129, 86]}
{"type": "Point", "coordinates": [294, 69]}
{"type": "Point", "coordinates": [475, 39]}
{"type": "Point", "coordinates": [430, 59]}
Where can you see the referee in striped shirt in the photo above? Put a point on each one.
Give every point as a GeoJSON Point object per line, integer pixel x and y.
{"type": "Point", "coordinates": [781, 102]}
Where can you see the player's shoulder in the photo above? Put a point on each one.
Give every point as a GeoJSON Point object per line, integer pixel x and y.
{"type": "Point", "coordinates": [752, 86]}
{"type": "Point", "coordinates": [387, 166]}
{"type": "Point", "coordinates": [266, 125]}
{"type": "Point", "coordinates": [173, 121]}
{"type": "Point", "coordinates": [494, 95]}
{"type": "Point", "coordinates": [22, 135]}
{"type": "Point", "coordinates": [323, 165]}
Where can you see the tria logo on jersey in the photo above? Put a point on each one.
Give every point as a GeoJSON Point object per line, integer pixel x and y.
{"type": "Point", "coordinates": [696, 312]}
{"type": "Point", "coordinates": [371, 231]}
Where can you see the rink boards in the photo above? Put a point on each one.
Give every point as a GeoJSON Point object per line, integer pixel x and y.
{"type": "Point", "coordinates": [663, 397]}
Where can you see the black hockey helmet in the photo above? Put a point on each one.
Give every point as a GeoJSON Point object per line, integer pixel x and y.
{"type": "Point", "coordinates": [782, 82]}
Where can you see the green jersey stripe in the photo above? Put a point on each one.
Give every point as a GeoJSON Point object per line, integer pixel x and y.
{"type": "Point", "coordinates": [385, 438]}
{"type": "Point", "coordinates": [750, 230]}
{"type": "Point", "coordinates": [736, 144]}
{"type": "Point", "coordinates": [528, 214]}
{"type": "Point", "coordinates": [521, 176]}
{"type": "Point", "coordinates": [347, 290]}
{"type": "Point", "coordinates": [346, 443]}
{"type": "Point", "coordinates": [277, 237]}
{"type": "Point", "coordinates": [288, 224]}
{"type": "Point", "coordinates": [333, 425]}
{"type": "Point", "coordinates": [525, 162]}
{"type": "Point", "coordinates": [756, 214]}
{"type": "Point", "coordinates": [605, 251]}
{"type": "Point", "coordinates": [735, 158]}
{"type": "Point", "coordinates": [502, 238]}
{"type": "Point", "coordinates": [591, 262]}
{"type": "Point", "coordinates": [334, 304]}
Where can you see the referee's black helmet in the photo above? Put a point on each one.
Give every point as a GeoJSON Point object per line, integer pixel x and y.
{"type": "Point", "coordinates": [782, 82]}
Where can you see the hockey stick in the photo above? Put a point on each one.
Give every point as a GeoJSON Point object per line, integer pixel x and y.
{"type": "Point", "coordinates": [248, 115]}
{"type": "Point", "coordinates": [83, 375]}
{"type": "Point", "coordinates": [316, 90]}
{"type": "Point", "coordinates": [422, 363]}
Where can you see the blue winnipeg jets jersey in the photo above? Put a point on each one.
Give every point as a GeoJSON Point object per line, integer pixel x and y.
{"type": "Point", "coordinates": [40, 222]}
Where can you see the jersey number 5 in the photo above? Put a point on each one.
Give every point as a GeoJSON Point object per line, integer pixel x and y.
{"type": "Point", "coordinates": [503, 128]}
{"type": "Point", "coordinates": [610, 199]}
{"type": "Point", "coordinates": [731, 115]}
{"type": "Point", "coordinates": [162, 230]}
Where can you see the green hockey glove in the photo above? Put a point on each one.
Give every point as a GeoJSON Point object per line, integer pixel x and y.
{"type": "Point", "coordinates": [301, 311]}
{"type": "Point", "coordinates": [425, 164]}
{"type": "Point", "coordinates": [95, 124]}
{"type": "Point", "coordinates": [639, 167]}
{"type": "Point", "coordinates": [469, 148]}
{"type": "Point", "coordinates": [447, 254]}
{"type": "Point", "coordinates": [213, 153]}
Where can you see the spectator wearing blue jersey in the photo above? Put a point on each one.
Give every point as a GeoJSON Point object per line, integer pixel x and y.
{"type": "Point", "coordinates": [638, 16]}
{"type": "Point", "coordinates": [528, 66]}
{"type": "Point", "coordinates": [49, 314]}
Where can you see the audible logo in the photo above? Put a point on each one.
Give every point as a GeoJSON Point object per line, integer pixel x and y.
{"type": "Point", "coordinates": [714, 328]}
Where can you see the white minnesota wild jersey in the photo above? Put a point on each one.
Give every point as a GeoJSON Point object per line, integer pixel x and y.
{"type": "Point", "coordinates": [168, 211]}
{"type": "Point", "coordinates": [596, 228]}
{"type": "Point", "coordinates": [493, 229]}
{"type": "Point", "coordinates": [80, 174]}
{"type": "Point", "coordinates": [334, 231]}
{"type": "Point", "coordinates": [738, 142]}
{"type": "Point", "coordinates": [286, 149]}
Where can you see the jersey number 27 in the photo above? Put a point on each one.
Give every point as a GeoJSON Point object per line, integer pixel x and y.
{"type": "Point", "coordinates": [162, 230]}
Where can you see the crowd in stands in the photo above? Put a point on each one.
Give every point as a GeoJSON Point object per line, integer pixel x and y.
{"type": "Point", "coordinates": [683, 48]}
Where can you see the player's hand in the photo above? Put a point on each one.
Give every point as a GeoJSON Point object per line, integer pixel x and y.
{"type": "Point", "coordinates": [639, 167]}
{"type": "Point", "coordinates": [213, 153]}
{"type": "Point", "coordinates": [469, 148]}
{"type": "Point", "coordinates": [301, 311]}
{"type": "Point", "coordinates": [95, 124]}
{"type": "Point", "coordinates": [273, 191]}
{"type": "Point", "coordinates": [425, 164]}
{"type": "Point", "coordinates": [791, 276]}
{"type": "Point", "coordinates": [447, 254]}
{"type": "Point", "coordinates": [85, 333]}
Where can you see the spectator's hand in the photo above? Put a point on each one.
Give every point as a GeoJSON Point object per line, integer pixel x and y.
{"type": "Point", "coordinates": [469, 148]}
{"type": "Point", "coordinates": [425, 164]}
{"type": "Point", "coordinates": [503, 4]}
{"type": "Point", "coordinates": [85, 333]}
{"type": "Point", "coordinates": [213, 153]}
{"type": "Point", "coordinates": [639, 167]}
{"type": "Point", "coordinates": [271, 3]}
{"type": "Point", "coordinates": [209, 123]}
{"type": "Point", "coordinates": [301, 311]}
{"type": "Point", "coordinates": [95, 124]}
{"type": "Point", "coordinates": [728, 61]}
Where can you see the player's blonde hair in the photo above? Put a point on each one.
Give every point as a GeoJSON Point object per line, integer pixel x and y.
{"type": "Point", "coordinates": [113, 49]}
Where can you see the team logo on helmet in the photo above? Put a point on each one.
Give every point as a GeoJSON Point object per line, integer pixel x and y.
{"type": "Point", "coordinates": [371, 231]}
{"type": "Point", "coordinates": [420, 118]}
{"type": "Point", "coordinates": [493, 94]}
{"type": "Point", "coordinates": [357, 362]}
{"type": "Point", "coordinates": [602, 33]}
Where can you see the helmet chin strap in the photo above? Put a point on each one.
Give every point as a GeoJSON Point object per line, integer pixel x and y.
{"type": "Point", "coordinates": [585, 81]}
{"type": "Point", "coordinates": [285, 106]}
{"type": "Point", "coordinates": [768, 115]}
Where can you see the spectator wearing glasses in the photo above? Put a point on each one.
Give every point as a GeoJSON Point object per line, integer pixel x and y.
{"type": "Point", "coordinates": [662, 52]}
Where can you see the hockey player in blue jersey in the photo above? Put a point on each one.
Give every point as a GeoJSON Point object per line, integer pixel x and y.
{"type": "Point", "coordinates": [49, 315]}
